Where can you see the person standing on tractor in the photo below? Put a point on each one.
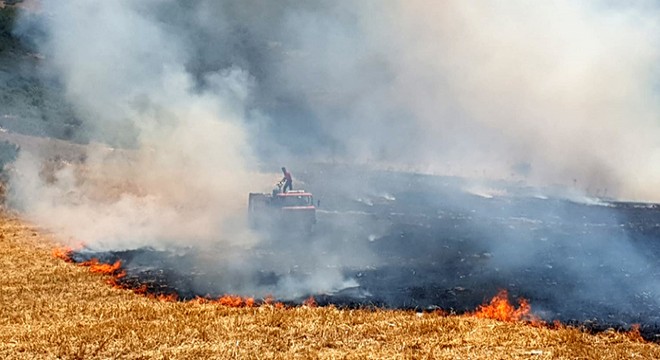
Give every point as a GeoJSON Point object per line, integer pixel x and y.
{"type": "Point", "coordinates": [287, 179]}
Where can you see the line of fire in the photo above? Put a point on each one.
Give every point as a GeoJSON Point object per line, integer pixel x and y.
{"type": "Point", "coordinates": [472, 254]}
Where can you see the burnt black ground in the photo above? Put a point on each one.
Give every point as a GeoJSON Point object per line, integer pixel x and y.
{"type": "Point", "coordinates": [424, 242]}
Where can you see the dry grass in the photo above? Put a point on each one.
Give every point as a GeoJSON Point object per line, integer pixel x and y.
{"type": "Point", "coordinates": [53, 309]}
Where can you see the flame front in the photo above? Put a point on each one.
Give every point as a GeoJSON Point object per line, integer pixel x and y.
{"type": "Point", "coordinates": [635, 334]}
{"type": "Point", "coordinates": [501, 309]}
{"type": "Point", "coordinates": [234, 301]}
{"type": "Point", "coordinates": [106, 269]}
{"type": "Point", "coordinates": [310, 301]}
{"type": "Point", "coordinates": [63, 254]}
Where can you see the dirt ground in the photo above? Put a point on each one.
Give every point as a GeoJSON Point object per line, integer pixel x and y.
{"type": "Point", "coordinates": [53, 309]}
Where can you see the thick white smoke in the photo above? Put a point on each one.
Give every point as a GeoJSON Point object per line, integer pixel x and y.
{"type": "Point", "coordinates": [186, 165]}
{"type": "Point", "coordinates": [568, 90]}
{"type": "Point", "coordinates": [569, 87]}
{"type": "Point", "coordinates": [175, 165]}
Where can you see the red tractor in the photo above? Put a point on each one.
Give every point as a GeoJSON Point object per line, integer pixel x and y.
{"type": "Point", "coordinates": [291, 211]}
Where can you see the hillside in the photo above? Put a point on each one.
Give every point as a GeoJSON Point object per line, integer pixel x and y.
{"type": "Point", "coordinates": [32, 100]}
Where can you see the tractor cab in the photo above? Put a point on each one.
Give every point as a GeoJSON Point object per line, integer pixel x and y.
{"type": "Point", "coordinates": [290, 210]}
{"type": "Point", "coordinates": [294, 199]}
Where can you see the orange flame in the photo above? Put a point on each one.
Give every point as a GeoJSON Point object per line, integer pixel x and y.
{"type": "Point", "coordinates": [114, 282]}
{"type": "Point", "coordinates": [227, 300]}
{"type": "Point", "coordinates": [234, 301]}
{"type": "Point", "coordinates": [106, 269]}
{"type": "Point", "coordinates": [199, 300]}
{"type": "Point", "coordinates": [230, 301]}
{"type": "Point", "coordinates": [269, 300]}
{"type": "Point", "coordinates": [557, 325]}
{"type": "Point", "coordinates": [310, 301]}
{"type": "Point", "coordinates": [63, 253]}
{"type": "Point", "coordinates": [140, 290]}
{"type": "Point", "coordinates": [165, 297]}
{"type": "Point", "coordinates": [635, 334]}
{"type": "Point", "coordinates": [115, 270]}
{"type": "Point", "coordinates": [249, 302]}
{"type": "Point", "coordinates": [116, 273]}
{"type": "Point", "coordinates": [500, 309]}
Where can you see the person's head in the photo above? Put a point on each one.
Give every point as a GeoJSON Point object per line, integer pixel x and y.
{"type": "Point", "coordinates": [283, 169]}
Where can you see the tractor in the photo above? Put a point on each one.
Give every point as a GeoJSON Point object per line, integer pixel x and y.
{"type": "Point", "coordinates": [290, 211]}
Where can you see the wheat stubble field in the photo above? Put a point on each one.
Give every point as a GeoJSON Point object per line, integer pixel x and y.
{"type": "Point", "coordinates": [52, 309]}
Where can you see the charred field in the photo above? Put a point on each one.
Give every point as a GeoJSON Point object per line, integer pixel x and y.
{"type": "Point", "coordinates": [410, 241]}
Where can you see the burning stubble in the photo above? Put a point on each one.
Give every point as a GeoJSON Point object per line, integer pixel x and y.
{"type": "Point", "coordinates": [193, 108]}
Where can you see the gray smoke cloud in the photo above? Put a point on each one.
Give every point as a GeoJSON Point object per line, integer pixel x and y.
{"type": "Point", "coordinates": [187, 102]}
{"type": "Point", "coordinates": [568, 88]}
{"type": "Point", "coordinates": [186, 164]}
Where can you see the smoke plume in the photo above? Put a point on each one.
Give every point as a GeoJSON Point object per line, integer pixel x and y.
{"type": "Point", "coordinates": [177, 165]}
{"type": "Point", "coordinates": [566, 90]}
{"type": "Point", "coordinates": [193, 104]}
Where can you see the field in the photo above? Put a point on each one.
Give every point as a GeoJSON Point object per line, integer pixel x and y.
{"type": "Point", "coordinates": [53, 309]}
{"type": "Point", "coordinates": [396, 267]}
